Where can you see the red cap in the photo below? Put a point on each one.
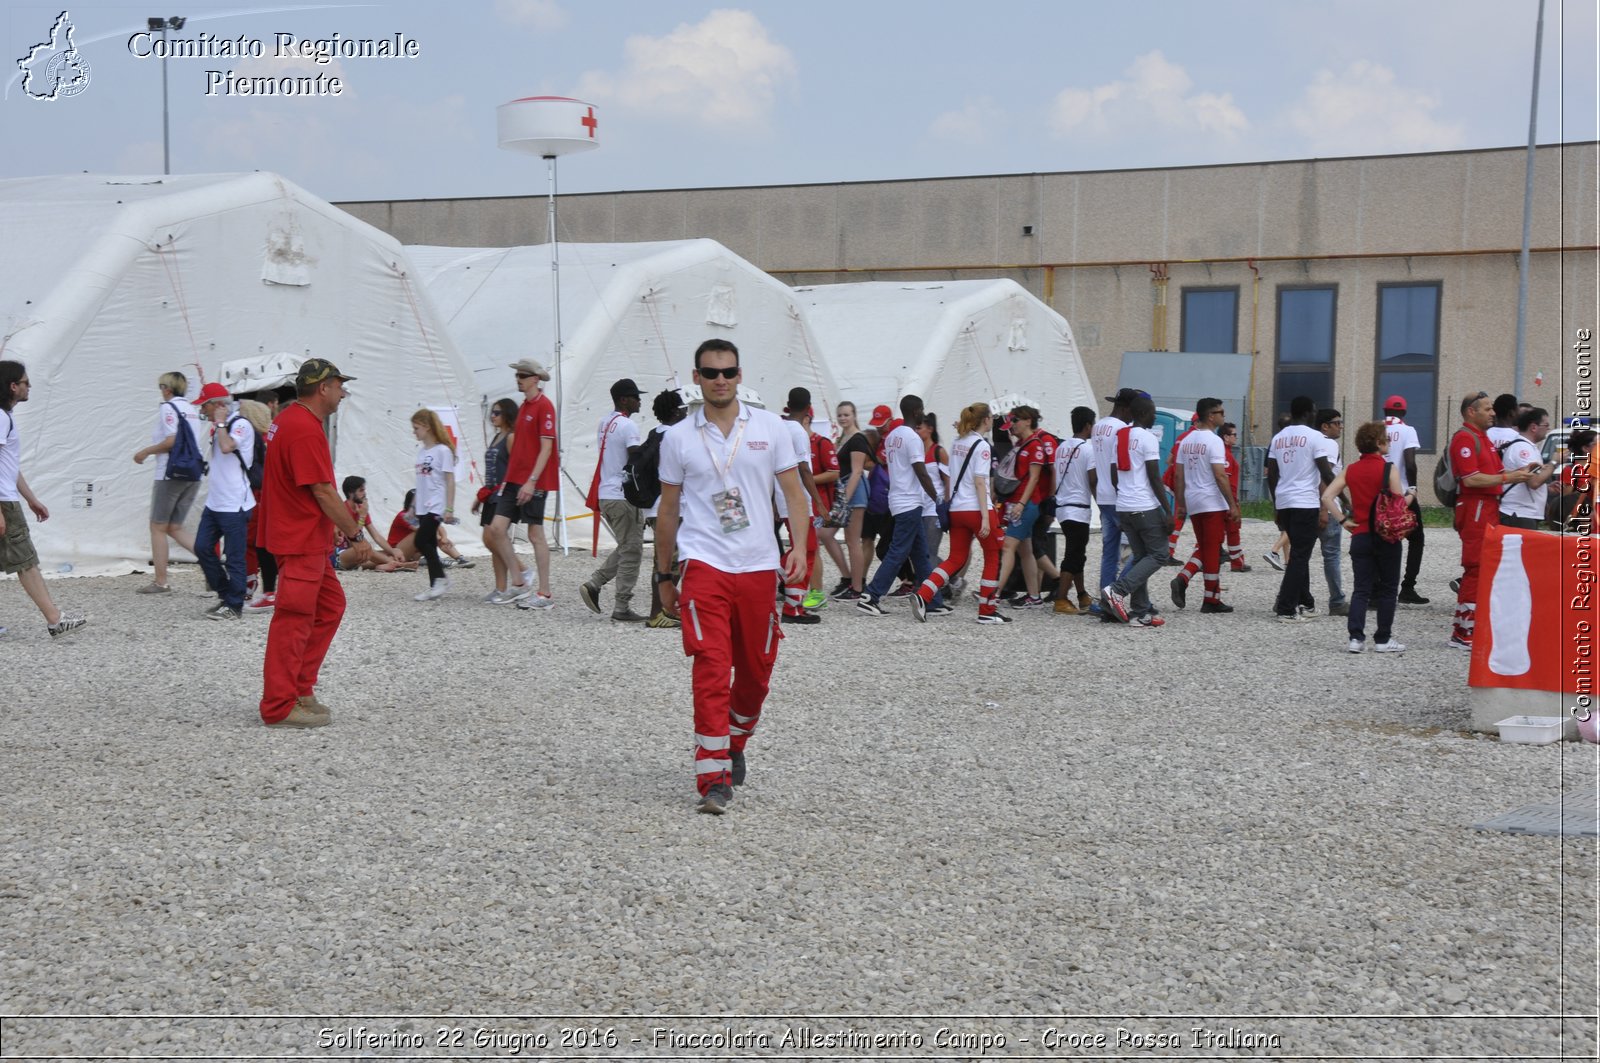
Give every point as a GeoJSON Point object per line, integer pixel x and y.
{"type": "Point", "coordinates": [1395, 402]}
{"type": "Point", "coordinates": [212, 392]}
{"type": "Point", "coordinates": [881, 415]}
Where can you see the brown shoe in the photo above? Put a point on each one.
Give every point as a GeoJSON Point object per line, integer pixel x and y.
{"type": "Point", "coordinates": [312, 705]}
{"type": "Point", "coordinates": [300, 716]}
{"type": "Point", "coordinates": [1065, 607]}
{"type": "Point", "coordinates": [1084, 602]}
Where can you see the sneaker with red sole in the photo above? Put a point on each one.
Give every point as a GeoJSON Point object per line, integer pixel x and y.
{"type": "Point", "coordinates": [263, 604]}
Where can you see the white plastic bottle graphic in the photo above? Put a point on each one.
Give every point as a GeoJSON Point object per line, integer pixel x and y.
{"type": "Point", "coordinates": [1510, 611]}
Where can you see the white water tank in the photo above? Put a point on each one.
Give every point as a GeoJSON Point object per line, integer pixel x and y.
{"type": "Point", "coordinates": [547, 125]}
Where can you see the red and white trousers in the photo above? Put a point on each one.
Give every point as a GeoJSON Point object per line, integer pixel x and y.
{"type": "Point", "coordinates": [731, 630]}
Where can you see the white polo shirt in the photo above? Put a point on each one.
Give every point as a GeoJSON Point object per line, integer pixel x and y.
{"type": "Point", "coordinates": [1104, 438]}
{"type": "Point", "coordinates": [1200, 450]}
{"type": "Point", "coordinates": [903, 451]}
{"type": "Point", "coordinates": [1073, 458]}
{"type": "Point", "coordinates": [697, 457]}
{"type": "Point", "coordinates": [800, 440]}
{"type": "Point", "coordinates": [964, 492]}
{"type": "Point", "coordinates": [1133, 484]}
{"type": "Point", "coordinates": [1523, 500]}
{"type": "Point", "coordinates": [616, 434]}
{"type": "Point", "coordinates": [1402, 437]}
{"type": "Point", "coordinates": [227, 485]}
{"type": "Point", "coordinates": [1299, 483]}
{"type": "Point", "coordinates": [10, 455]}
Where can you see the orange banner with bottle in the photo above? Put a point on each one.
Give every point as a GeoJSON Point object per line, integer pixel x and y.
{"type": "Point", "coordinates": [1537, 622]}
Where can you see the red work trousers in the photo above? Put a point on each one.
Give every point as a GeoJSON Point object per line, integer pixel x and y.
{"type": "Point", "coordinates": [310, 604]}
{"type": "Point", "coordinates": [1208, 549]}
{"type": "Point", "coordinates": [731, 630]}
{"type": "Point", "coordinates": [1474, 516]}
{"type": "Point", "coordinates": [965, 524]}
{"type": "Point", "coordinates": [794, 594]}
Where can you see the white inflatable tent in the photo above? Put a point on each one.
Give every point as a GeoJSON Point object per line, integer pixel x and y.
{"type": "Point", "coordinates": [951, 342]}
{"type": "Point", "coordinates": [112, 281]}
{"type": "Point", "coordinates": [634, 310]}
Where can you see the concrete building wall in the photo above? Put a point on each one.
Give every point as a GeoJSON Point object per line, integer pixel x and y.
{"type": "Point", "coordinates": [1453, 218]}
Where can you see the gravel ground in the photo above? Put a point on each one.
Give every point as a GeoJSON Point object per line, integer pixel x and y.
{"type": "Point", "coordinates": [1126, 834]}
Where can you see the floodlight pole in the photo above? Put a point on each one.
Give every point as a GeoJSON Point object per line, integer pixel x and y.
{"type": "Point", "coordinates": [1527, 209]}
{"type": "Point", "coordinates": [555, 303]}
{"type": "Point", "coordinates": [163, 24]}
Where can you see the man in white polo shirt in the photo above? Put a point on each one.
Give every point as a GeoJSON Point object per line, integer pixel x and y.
{"type": "Point", "coordinates": [1296, 485]}
{"type": "Point", "coordinates": [1403, 447]}
{"type": "Point", "coordinates": [1200, 481]}
{"type": "Point", "coordinates": [909, 484]}
{"type": "Point", "coordinates": [1523, 505]}
{"type": "Point", "coordinates": [229, 500]}
{"type": "Point", "coordinates": [617, 438]}
{"type": "Point", "coordinates": [717, 468]}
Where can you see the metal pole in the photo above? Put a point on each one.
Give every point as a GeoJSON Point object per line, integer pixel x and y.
{"type": "Point", "coordinates": [1527, 209]}
{"type": "Point", "coordinates": [555, 304]}
{"type": "Point", "coordinates": [166, 135]}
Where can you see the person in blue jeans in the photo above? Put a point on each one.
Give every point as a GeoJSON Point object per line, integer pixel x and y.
{"type": "Point", "coordinates": [1103, 437]}
{"type": "Point", "coordinates": [229, 500]}
{"type": "Point", "coordinates": [909, 485]}
{"type": "Point", "coordinates": [1146, 514]}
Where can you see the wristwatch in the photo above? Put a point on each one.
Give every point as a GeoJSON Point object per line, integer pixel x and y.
{"type": "Point", "coordinates": [664, 577]}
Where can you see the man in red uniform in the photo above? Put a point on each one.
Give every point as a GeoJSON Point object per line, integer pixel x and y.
{"type": "Point", "coordinates": [302, 509]}
{"type": "Point", "coordinates": [717, 470]}
{"type": "Point", "coordinates": [1479, 481]}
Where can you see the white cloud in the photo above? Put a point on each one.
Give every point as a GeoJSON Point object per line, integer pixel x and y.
{"type": "Point", "coordinates": [1364, 110]}
{"type": "Point", "coordinates": [723, 70]}
{"type": "Point", "coordinates": [972, 124]}
{"type": "Point", "coordinates": [1151, 92]}
{"type": "Point", "coordinates": [534, 14]}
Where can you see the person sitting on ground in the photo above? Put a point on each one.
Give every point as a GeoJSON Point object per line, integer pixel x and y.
{"type": "Point", "coordinates": [403, 536]}
{"type": "Point", "coordinates": [383, 557]}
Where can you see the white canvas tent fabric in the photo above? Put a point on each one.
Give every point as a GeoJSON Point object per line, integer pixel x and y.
{"type": "Point", "coordinates": [112, 281]}
{"type": "Point", "coordinates": [951, 342]}
{"type": "Point", "coordinates": [634, 310]}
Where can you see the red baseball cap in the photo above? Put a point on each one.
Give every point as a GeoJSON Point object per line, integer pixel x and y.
{"type": "Point", "coordinates": [1395, 402]}
{"type": "Point", "coordinates": [212, 392]}
{"type": "Point", "coordinates": [881, 415]}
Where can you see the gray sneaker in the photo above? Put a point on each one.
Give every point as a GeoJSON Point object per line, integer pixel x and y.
{"type": "Point", "coordinates": [505, 597]}
{"type": "Point", "coordinates": [154, 588]}
{"type": "Point", "coordinates": [737, 769]}
{"type": "Point", "coordinates": [629, 617]}
{"type": "Point", "coordinates": [66, 624]}
{"type": "Point", "coordinates": [591, 597]}
{"type": "Point", "coordinates": [302, 716]}
{"type": "Point", "coordinates": [715, 801]}
{"type": "Point", "coordinates": [221, 611]}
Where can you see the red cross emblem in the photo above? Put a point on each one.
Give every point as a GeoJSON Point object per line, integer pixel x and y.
{"type": "Point", "coordinates": [590, 121]}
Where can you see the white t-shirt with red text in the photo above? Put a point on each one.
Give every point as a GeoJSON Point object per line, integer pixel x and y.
{"type": "Point", "coordinates": [1201, 451]}
{"type": "Point", "coordinates": [903, 450]}
{"type": "Point", "coordinates": [1295, 450]}
{"type": "Point", "coordinates": [616, 434]}
{"type": "Point", "coordinates": [964, 491]}
{"type": "Point", "coordinates": [1104, 438]}
{"type": "Point", "coordinates": [1133, 484]}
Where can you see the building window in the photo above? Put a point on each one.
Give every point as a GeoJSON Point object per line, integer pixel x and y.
{"type": "Point", "coordinates": [1210, 322]}
{"type": "Point", "coordinates": [1408, 354]}
{"type": "Point", "coordinates": [1306, 320]}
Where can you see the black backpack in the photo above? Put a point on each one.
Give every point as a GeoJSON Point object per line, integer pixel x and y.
{"type": "Point", "coordinates": [258, 458]}
{"type": "Point", "coordinates": [641, 474]}
{"type": "Point", "coordinates": [183, 460]}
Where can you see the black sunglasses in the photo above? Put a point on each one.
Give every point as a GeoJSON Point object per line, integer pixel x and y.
{"type": "Point", "coordinates": [524, 376]}
{"type": "Point", "coordinates": [726, 372]}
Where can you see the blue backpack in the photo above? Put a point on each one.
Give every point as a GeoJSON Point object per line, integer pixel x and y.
{"type": "Point", "coordinates": [183, 460]}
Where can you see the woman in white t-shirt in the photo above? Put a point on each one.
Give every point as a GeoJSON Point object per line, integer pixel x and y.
{"type": "Point", "coordinates": [436, 495]}
{"type": "Point", "coordinates": [972, 513]}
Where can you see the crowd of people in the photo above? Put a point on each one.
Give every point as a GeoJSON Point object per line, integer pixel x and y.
{"type": "Point", "coordinates": [719, 486]}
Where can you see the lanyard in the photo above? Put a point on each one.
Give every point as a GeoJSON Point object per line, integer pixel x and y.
{"type": "Point", "coordinates": [733, 451]}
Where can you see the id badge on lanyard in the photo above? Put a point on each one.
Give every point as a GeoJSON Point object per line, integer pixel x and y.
{"type": "Point", "coordinates": [728, 503]}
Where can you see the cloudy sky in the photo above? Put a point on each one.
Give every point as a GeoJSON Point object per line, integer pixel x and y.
{"type": "Point", "coordinates": [695, 94]}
